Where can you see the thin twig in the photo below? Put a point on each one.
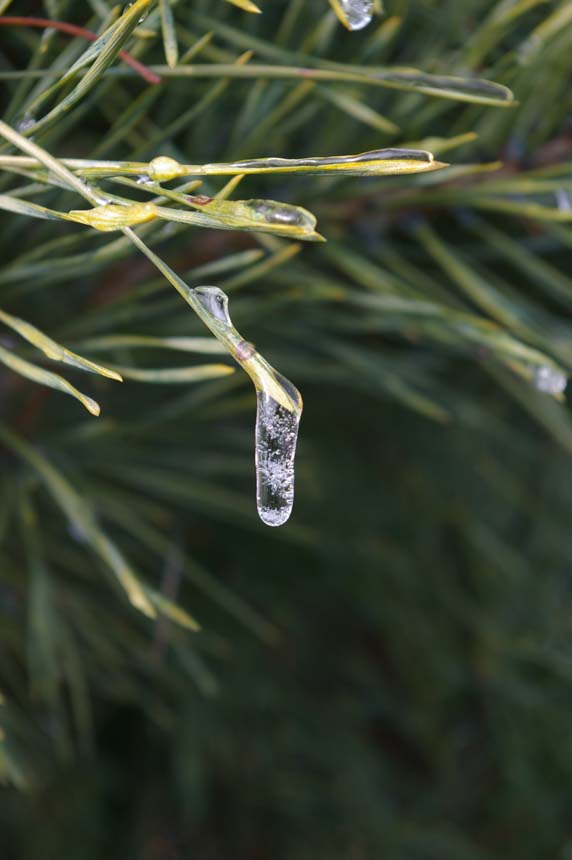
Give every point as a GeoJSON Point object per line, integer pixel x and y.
{"type": "Point", "coordinates": [82, 32]}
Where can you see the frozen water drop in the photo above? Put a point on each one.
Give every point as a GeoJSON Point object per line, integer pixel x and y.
{"type": "Point", "coordinates": [25, 123]}
{"type": "Point", "coordinates": [283, 214]}
{"type": "Point", "coordinates": [355, 14]}
{"type": "Point", "coordinates": [550, 381]}
{"type": "Point", "coordinates": [215, 302]}
{"type": "Point", "coordinates": [162, 168]}
{"type": "Point", "coordinates": [276, 438]}
{"type": "Point", "coordinates": [563, 200]}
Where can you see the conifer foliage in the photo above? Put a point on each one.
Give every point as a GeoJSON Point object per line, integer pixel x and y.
{"type": "Point", "coordinates": [378, 197]}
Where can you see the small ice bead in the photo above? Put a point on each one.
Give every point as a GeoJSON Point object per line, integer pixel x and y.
{"type": "Point", "coordinates": [162, 168]}
{"type": "Point", "coordinates": [25, 123]}
{"type": "Point", "coordinates": [357, 13]}
{"type": "Point", "coordinates": [215, 302]}
{"type": "Point", "coordinates": [276, 438]}
{"type": "Point", "coordinates": [550, 381]}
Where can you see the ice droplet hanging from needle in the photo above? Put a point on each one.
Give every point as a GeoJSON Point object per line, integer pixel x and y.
{"type": "Point", "coordinates": [354, 14]}
{"type": "Point", "coordinates": [278, 411]}
{"type": "Point", "coordinates": [550, 381]}
{"type": "Point", "coordinates": [276, 438]}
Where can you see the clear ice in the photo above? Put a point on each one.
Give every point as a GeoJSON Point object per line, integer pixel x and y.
{"type": "Point", "coordinates": [276, 437]}
{"type": "Point", "coordinates": [357, 13]}
{"type": "Point", "coordinates": [550, 381]}
{"type": "Point", "coordinates": [25, 123]}
{"type": "Point", "coordinates": [282, 213]}
{"type": "Point", "coordinates": [215, 302]}
{"type": "Point", "coordinates": [278, 412]}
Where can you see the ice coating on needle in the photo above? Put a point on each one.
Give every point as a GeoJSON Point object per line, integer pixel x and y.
{"type": "Point", "coordinates": [355, 14]}
{"type": "Point", "coordinates": [265, 215]}
{"type": "Point", "coordinates": [278, 412]}
{"type": "Point", "coordinates": [375, 162]}
{"type": "Point", "coordinates": [282, 213]}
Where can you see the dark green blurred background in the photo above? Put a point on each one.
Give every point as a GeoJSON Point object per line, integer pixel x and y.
{"type": "Point", "coordinates": [390, 674]}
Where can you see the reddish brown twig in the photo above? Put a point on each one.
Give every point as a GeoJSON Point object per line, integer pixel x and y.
{"type": "Point", "coordinates": [74, 30]}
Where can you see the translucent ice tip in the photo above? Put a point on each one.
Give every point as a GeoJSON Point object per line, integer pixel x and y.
{"type": "Point", "coordinates": [276, 438]}
{"type": "Point", "coordinates": [354, 14]}
{"type": "Point", "coordinates": [278, 412]}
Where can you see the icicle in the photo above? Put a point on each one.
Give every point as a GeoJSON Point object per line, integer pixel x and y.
{"type": "Point", "coordinates": [354, 14]}
{"type": "Point", "coordinates": [278, 413]}
{"type": "Point", "coordinates": [276, 437]}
